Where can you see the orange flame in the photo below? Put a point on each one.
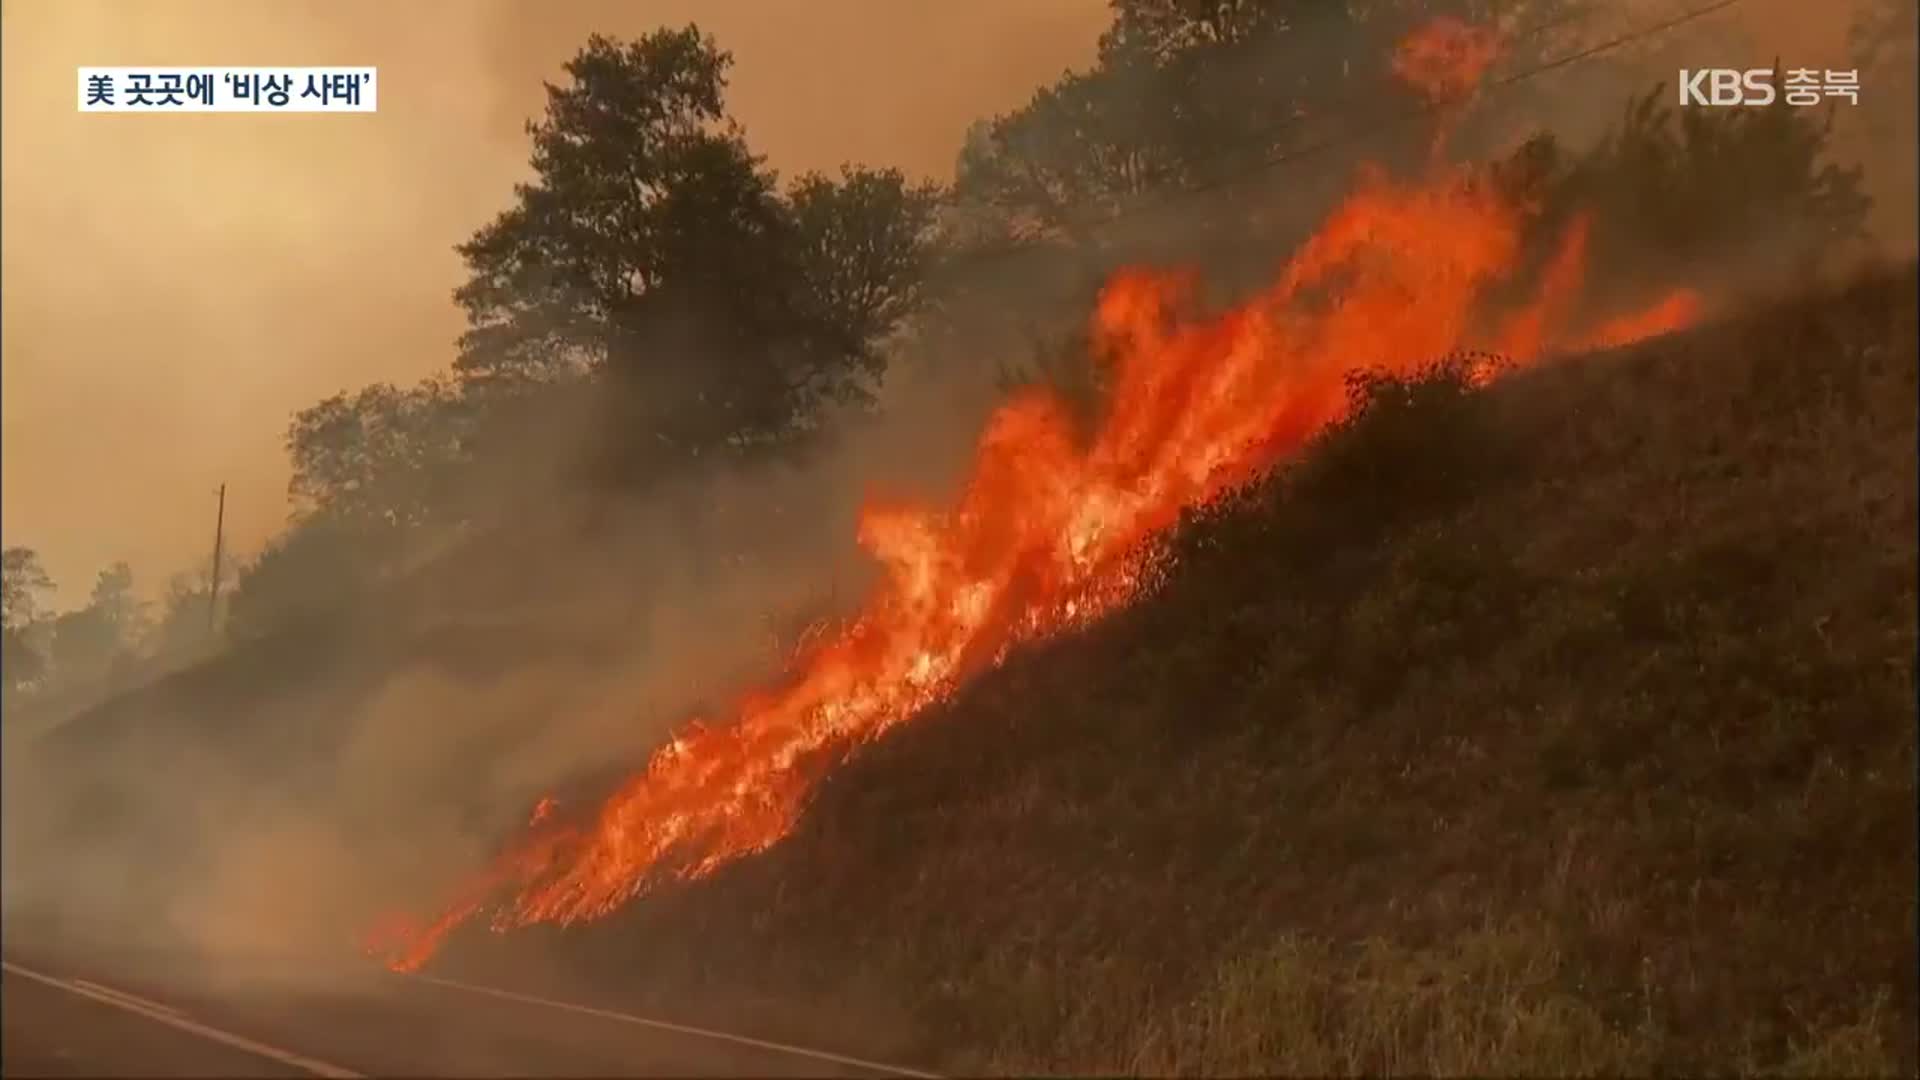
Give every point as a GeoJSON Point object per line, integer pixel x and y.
{"type": "Point", "coordinates": [1045, 533]}
{"type": "Point", "coordinates": [1049, 529]}
{"type": "Point", "coordinates": [1677, 310]}
{"type": "Point", "coordinates": [1445, 59]}
{"type": "Point", "coordinates": [1524, 332]}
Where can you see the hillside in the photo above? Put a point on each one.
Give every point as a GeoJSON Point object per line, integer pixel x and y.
{"type": "Point", "coordinates": [1561, 726]}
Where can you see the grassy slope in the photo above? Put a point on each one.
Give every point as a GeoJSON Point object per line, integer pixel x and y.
{"type": "Point", "coordinates": [1565, 726]}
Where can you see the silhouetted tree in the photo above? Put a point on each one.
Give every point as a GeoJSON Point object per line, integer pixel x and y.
{"type": "Point", "coordinates": [653, 246]}
{"type": "Point", "coordinates": [93, 641]}
{"type": "Point", "coordinates": [1195, 93]}
{"type": "Point", "coordinates": [380, 459]}
{"type": "Point", "coordinates": [1076, 153]}
{"type": "Point", "coordinates": [22, 581]}
{"type": "Point", "coordinates": [864, 249]}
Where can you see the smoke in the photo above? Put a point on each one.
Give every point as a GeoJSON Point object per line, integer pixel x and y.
{"type": "Point", "coordinates": [299, 794]}
{"type": "Point", "coordinates": [275, 801]}
{"type": "Point", "coordinates": [186, 283]}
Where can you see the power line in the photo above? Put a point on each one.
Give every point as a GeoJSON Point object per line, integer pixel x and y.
{"type": "Point", "coordinates": [1505, 82]}
{"type": "Point", "coordinates": [1333, 103]}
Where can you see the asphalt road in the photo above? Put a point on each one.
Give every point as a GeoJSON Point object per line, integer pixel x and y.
{"type": "Point", "coordinates": [133, 1015]}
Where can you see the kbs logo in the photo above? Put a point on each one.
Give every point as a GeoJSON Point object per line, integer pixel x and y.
{"type": "Point", "coordinates": [1754, 86]}
{"type": "Point", "coordinates": [1727, 86]}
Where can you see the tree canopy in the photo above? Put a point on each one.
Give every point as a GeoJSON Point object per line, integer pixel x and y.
{"type": "Point", "coordinates": [1194, 93]}
{"type": "Point", "coordinates": [23, 581]}
{"type": "Point", "coordinates": [654, 248]}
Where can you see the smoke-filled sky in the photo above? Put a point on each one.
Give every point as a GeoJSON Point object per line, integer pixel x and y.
{"type": "Point", "coordinates": [177, 286]}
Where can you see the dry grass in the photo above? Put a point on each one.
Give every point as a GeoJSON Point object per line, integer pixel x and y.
{"type": "Point", "coordinates": [1562, 728]}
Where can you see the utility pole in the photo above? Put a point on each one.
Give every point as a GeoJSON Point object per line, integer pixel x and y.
{"type": "Point", "coordinates": [213, 588]}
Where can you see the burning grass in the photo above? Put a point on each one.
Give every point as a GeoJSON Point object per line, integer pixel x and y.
{"type": "Point", "coordinates": [1174, 734]}
{"type": "Point", "coordinates": [1559, 726]}
{"type": "Point", "coordinates": [1050, 528]}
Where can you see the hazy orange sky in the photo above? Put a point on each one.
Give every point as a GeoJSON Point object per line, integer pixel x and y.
{"type": "Point", "coordinates": [177, 285]}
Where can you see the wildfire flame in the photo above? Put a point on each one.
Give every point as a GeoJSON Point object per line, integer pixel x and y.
{"type": "Point", "coordinates": [1444, 60]}
{"type": "Point", "coordinates": [1678, 310]}
{"type": "Point", "coordinates": [1049, 529]}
